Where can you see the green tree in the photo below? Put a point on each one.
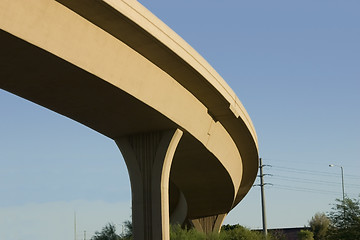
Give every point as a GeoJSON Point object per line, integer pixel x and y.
{"type": "Point", "coordinates": [128, 231]}
{"type": "Point", "coordinates": [107, 233]}
{"type": "Point", "coordinates": [305, 235]}
{"type": "Point", "coordinates": [319, 225]}
{"type": "Point", "coordinates": [345, 220]}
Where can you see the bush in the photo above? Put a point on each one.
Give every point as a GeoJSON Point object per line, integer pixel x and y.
{"type": "Point", "coordinates": [305, 235]}
{"type": "Point", "coordinates": [237, 232]}
{"type": "Point", "coordinates": [319, 225]}
{"type": "Point", "coordinates": [228, 232]}
{"type": "Point", "coordinates": [177, 233]}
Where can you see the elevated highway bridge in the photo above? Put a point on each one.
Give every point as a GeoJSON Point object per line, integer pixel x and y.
{"type": "Point", "coordinates": [189, 144]}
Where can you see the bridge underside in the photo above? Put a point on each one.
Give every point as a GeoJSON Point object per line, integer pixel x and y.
{"type": "Point", "coordinates": [47, 80]}
{"type": "Point", "coordinates": [189, 144]}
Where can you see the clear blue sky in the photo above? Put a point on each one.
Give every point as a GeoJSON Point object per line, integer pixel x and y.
{"type": "Point", "coordinates": [295, 65]}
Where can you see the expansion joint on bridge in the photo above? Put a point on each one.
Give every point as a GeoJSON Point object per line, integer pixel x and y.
{"type": "Point", "coordinates": [148, 157]}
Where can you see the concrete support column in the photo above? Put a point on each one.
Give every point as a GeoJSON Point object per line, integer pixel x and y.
{"type": "Point", "coordinates": [179, 214]}
{"type": "Point", "coordinates": [148, 158]}
{"type": "Point", "coordinates": [209, 224]}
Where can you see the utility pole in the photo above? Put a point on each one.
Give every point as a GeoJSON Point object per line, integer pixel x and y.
{"type": "Point", "coordinates": [263, 198]}
{"type": "Point", "coordinates": [343, 187]}
{"type": "Point", "coordinates": [74, 225]}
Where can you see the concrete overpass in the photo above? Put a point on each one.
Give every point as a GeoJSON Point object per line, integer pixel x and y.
{"type": "Point", "coordinates": [189, 144]}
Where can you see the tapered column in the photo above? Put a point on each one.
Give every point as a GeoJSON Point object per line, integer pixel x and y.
{"type": "Point", "coordinates": [148, 158]}
{"type": "Point", "coordinates": [209, 224]}
{"type": "Point", "coordinates": [178, 216]}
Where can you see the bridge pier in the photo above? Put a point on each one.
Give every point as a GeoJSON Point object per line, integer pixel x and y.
{"type": "Point", "coordinates": [148, 157]}
{"type": "Point", "coordinates": [209, 224]}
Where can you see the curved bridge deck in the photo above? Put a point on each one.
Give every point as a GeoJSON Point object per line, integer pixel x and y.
{"type": "Point", "coordinates": [114, 67]}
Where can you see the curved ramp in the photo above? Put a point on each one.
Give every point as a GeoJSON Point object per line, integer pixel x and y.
{"type": "Point", "coordinates": [116, 68]}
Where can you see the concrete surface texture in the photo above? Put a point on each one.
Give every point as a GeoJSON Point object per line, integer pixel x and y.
{"type": "Point", "coordinates": [189, 144]}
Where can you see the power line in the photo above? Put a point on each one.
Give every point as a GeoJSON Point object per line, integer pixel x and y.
{"type": "Point", "coordinates": [304, 184]}
{"type": "Point", "coordinates": [303, 171]}
{"type": "Point", "coordinates": [352, 176]}
{"type": "Point", "coordinates": [314, 179]}
{"type": "Point", "coordinates": [311, 162]}
{"type": "Point", "coordinates": [307, 180]}
{"type": "Point", "coordinates": [309, 190]}
{"type": "Point", "coordinates": [306, 171]}
{"type": "Point", "coordinates": [301, 189]}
